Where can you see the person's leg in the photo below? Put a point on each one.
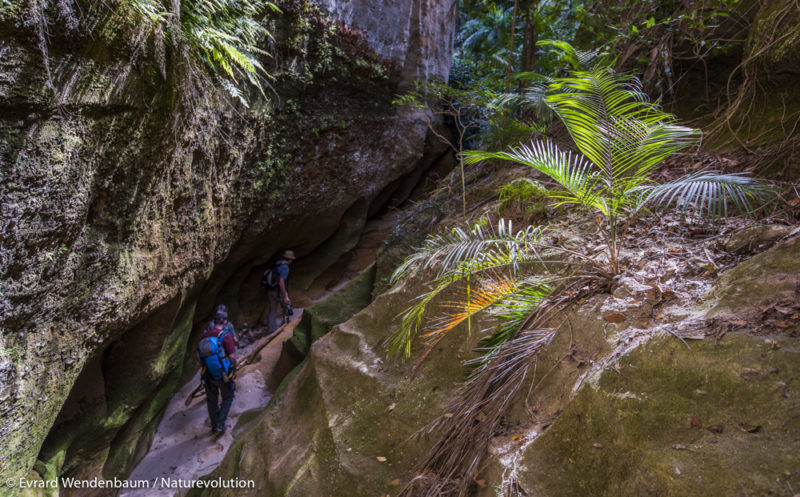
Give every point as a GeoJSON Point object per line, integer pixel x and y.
{"type": "Point", "coordinates": [274, 303]}
{"type": "Point", "coordinates": [212, 396]}
{"type": "Point", "coordinates": [227, 389]}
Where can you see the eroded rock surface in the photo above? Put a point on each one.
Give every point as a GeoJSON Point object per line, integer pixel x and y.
{"type": "Point", "coordinates": [128, 214]}
{"type": "Point", "coordinates": [665, 402]}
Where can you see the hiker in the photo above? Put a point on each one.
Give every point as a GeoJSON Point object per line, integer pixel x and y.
{"type": "Point", "coordinates": [228, 326]}
{"type": "Point", "coordinates": [216, 352]}
{"type": "Point", "coordinates": [274, 282]}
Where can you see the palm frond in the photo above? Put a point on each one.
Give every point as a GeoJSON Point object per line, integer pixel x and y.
{"type": "Point", "coordinates": [571, 171]}
{"type": "Point", "coordinates": [473, 417]}
{"type": "Point", "coordinates": [490, 292]}
{"type": "Point", "coordinates": [411, 319]}
{"type": "Point", "coordinates": [577, 59]}
{"type": "Point", "coordinates": [613, 123]}
{"type": "Point", "coordinates": [449, 250]}
{"type": "Point", "coordinates": [708, 193]}
{"type": "Point", "coordinates": [531, 99]}
{"type": "Point", "coordinates": [474, 301]}
{"type": "Point", "coordinates": [514, 312]}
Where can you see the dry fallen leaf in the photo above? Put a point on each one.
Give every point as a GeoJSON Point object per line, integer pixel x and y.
{"type": "Point", "coordinates": [448, 415]}
{"type": "Point", "coordinates": [696, 422]}
{"type": "Point", "coordinates": [739, 323]}
{"type": "Point", "coordinates": [391, 406]}
{"type": "Point", "coordinates": [679, 447]}
{"type": "Point", "coordinates": [514, 438]}
{"type": "Point", "coordinates": [783, 324]}
{"type": "Point", "coordinates": [381, 459]}
{"type": "Point", "coordinates": [597, 445]}
{"type": "Point", "coordinates": [660, 315]}
{"type": "Point", "coordinates": [614, 317]}
{"type": "Point", "coordinates": [481, 417]}
{"type": "Point", "coordinates": [749, 428]}
{"type": "Point", "coordinates": [481, 483]}
{"type": "Point", "coordinates": [395, 482]}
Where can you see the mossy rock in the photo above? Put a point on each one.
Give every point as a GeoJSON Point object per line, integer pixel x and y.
{"type": "Point", "coordinates": [756, 238]}
{"type": "Point", "coordinates": [718, 419]}
{"type": "Point", "coordinates": [318, 319]}
{"type": "Point", "coordinates": [767, 274]}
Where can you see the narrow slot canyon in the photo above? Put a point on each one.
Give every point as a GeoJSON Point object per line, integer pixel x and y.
{"type": "Point", "coordinates": [537, 248]}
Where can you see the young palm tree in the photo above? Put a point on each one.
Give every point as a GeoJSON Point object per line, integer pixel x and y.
{"type": "Point", "coordinates": [622, 139]}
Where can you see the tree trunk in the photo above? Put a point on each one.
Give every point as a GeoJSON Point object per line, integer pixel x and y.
{"type": "Point", "coordinates": [531, 36]}
{"type": "Point", "coordinates": [511, 47]}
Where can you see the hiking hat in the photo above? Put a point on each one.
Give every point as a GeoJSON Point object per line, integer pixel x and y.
{"type": "Point", "coordinates": [220, 317]}
{"type": "Point", "coordinates": [288, 254]}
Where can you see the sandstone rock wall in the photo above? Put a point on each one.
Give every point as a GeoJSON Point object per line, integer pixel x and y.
{"type": "Point", "coordinates": [127, 214]}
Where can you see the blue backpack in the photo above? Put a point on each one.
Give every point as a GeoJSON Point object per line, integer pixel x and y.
{"type": "Point", "coordinates": [212, 354]}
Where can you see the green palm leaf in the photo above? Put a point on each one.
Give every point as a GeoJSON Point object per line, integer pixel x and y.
{"type": "Point", "coordinates": [613, 124]}
{"type": "Point", "coordinates": [571, 171]}
{"type": "Point", "coordinates": [460, 246]}
{"type": "Point", "coordinates": [514, 312]}
{"type": "Point", "coordinates": [709, 193]}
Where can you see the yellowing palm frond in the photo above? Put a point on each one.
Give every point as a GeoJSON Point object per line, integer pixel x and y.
{"type": "Point", "coordinates": [490, 293]}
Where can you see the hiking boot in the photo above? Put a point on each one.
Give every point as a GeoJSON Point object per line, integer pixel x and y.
{"type": "Point", "coordinates": [219, 430]}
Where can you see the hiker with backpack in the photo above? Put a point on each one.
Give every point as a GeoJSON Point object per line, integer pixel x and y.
{"type": "Point", "coordinates": [228, 326]}
{"type": "Point", "coordinates": [216, 352]}
{"type": "Point", "coordinates": [274, 282]}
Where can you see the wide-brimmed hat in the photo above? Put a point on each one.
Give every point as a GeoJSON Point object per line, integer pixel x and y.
{"type": "Point", "coordinates": [288, 254]}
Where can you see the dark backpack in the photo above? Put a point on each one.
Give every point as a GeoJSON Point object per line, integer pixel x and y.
{"type": "Point", "coordinates": [212, 354]}
{"type": "Point", "coordinates": [271, 278]}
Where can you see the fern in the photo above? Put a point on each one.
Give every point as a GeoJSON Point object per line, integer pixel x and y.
{"type": "Point", "coordinates": [222, 36]}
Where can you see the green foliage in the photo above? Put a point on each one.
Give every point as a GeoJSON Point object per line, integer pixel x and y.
{"type": "Point", "coordinates": [485, 35]}
{"type": "Point", "coordinates": [459, 257]}
{"type": "Point", "coordinates": [523, 195]}
{"type": "Point", "coordinates": [223, 36]}
{"type": "Point", "coordinates": [622, 139]}
{"type": "Point", "coordinates": [654, 36]}
{"type": "Point", "coordinates": [577, 60]}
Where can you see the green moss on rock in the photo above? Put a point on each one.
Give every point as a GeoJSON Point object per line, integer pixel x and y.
{"type": "Point", "coordinates": [318, 319]}
{"type": "Point", "coordinates": [713, 420]}
{"type": "Point", "coordinates": [766, 274]}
